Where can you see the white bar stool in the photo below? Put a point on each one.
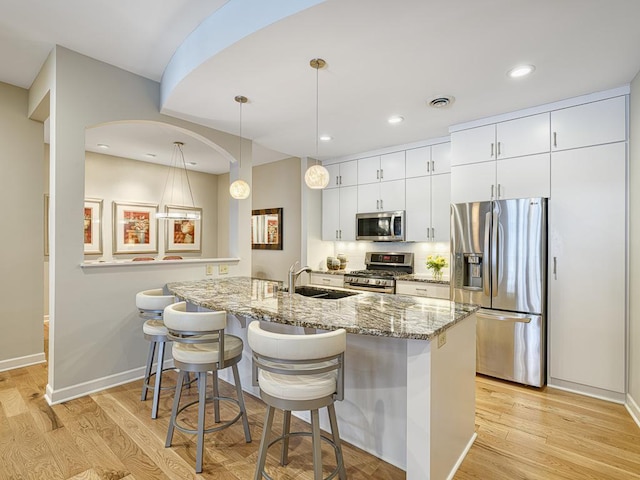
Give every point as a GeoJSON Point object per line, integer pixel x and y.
{"type": "Point", "coordinates": [299, 372]}
{"type": "Point", "coordinates": [200, 346]}
{"type": "Point", "coordinates": [151, 304]}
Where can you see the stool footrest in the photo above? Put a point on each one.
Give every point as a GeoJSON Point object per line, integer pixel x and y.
{"type": "Point", "coordinates": [221, 426]}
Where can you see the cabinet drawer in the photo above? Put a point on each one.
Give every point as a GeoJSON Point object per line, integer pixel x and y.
{"type": "Point", "coordinates": [422, 289]}
{"type": "Point", "coordinates": [327, 280]}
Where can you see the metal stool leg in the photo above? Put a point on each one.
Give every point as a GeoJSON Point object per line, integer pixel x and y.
{"type": "Point", "coordinates": [243, 409]}
{"type": "Point", "coordinates": [286, 429]}
{"type": "Point", "coordinates": [315, 440]}
{"type": "Point", "coordinates": [264, 442]}
{"type": "Point", "coordinates": [174, 409]}
{"type": "Point", "coordinates": [342, 474]}
{"type": "Point", "coordinates": [202, 398]}
{"type": "Point", "coordinates": [147, 370]}
{"type": "Point", "coordinates": [158, 382]}
{"type": "Point", "coordinates": [216, 396]}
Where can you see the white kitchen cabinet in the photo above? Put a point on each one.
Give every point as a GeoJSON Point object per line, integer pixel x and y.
{"type": "Point", "coordinates": [519, 177]}
{"type": "Point", "coordinates": [430, 160]}
{"type": "Point", "coordinates": [592, 123]}
{"type": "Point", "coordinates": [383, 196]}
{"type": "Point", "coordinates": [586, 280]}
{"type": "Point", "coordinates": [428, 208]}
{"type": "Point", "coordinates": [382, 168]}
{"type": "Point", "coordinates": [513, 138]}
{"type": "Point", "coordinates": [422, 289]}
{"type": "Point", "coordinates": [339, 207]}
{"type": "Point", "coordinates": [326, 279]}
{"type": "Point", "coordinates": [342, 174]}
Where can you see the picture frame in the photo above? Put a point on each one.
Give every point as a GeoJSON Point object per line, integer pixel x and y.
{"type": "Point", "coordinates": [92, 226]}
{"type": "Point", "coordinates": [266, 229]}
{"type": "Point", "coordinates": [183, 235]}
{"type": "Point", "coordinates": [135, 228]}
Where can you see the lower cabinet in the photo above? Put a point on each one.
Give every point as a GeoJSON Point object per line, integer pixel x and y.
{"type": "Point", "coordinates": [586, 272]}
{"type": "Point", "coordinates": [326, 279]}
{"type": "Point", "coordinates": [422, 289]}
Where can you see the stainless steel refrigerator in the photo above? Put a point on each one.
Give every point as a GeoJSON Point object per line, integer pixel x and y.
{"type": "Point", "coordinates": [499, 257]}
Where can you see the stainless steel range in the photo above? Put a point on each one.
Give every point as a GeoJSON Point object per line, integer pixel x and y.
{"type": "Point", "coordinates": [382, 268]}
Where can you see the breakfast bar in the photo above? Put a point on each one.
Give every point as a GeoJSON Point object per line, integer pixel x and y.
{"type": "Point", "coordinates": [409, 365]}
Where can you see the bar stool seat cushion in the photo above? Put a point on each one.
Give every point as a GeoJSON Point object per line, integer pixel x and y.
{"type": "Point", "coordinates": [206, 352]}
{"type": "Point", "coordinates": [297, 387]}
{"type": "Point", "coordinates": [153, 299]}
{"type": "Point", "coordinates": [154, 327]}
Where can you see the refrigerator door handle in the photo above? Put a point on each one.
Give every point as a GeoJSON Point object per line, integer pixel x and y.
{"type": "Point", "coordinates": [483, 314]}
{"type": "Point", "coordinates": [487, 255]}
{"type": "Point", "coordinates": [494, 254]}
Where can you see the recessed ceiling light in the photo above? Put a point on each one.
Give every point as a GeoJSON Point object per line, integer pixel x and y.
{"type": "Point", "coordinates": [193, 164]}
{"type": "Point", "coordinates": [326, 138]}
{"type": "Point", "coordinates": [150, 155]}
{"type": "Point", "coordinates": [395, 119]}
{"type": "Point", "coordinates": [103, 145]}
{"type": "Point", "coordinates": [521, 71]}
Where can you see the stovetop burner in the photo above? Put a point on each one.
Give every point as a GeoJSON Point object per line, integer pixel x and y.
{"type": "Point", "coordinates": [376, 273]}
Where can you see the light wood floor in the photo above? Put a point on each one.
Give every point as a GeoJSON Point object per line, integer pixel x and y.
{"type": "Point", "coordinates": [523, 433]}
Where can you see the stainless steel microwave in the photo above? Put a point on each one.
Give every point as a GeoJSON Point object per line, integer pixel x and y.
{"type": "Point", "coordinates": [380, 226]}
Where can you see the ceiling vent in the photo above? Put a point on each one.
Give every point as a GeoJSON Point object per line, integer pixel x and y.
{"type": "Point", "coordinates": [441, 101]}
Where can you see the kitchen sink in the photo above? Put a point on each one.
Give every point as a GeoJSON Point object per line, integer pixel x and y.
{"type": "Point", "coordinates": [324, 294]}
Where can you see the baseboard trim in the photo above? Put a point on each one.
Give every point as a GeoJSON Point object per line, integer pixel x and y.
{"type": "Point", "coordinates": [20, 362]}
{"type": "Point", "coordinates": [587, 391]}
{"type": "Point", "coordinates": [462, 456]}
{"type": "Point", "coordinates": [53, 397]}
{"type": "Point", "coordinates": [633, 409]}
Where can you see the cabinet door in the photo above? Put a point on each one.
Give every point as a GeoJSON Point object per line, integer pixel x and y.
{"type": "Point", "coordinates": [368, 198]}
{"type": "Point", "coordinates": [334, 175]}
{"type": "Point", "coordinates": [589, 124]}
{"type": "Point", "coordinates": [330, 213]}
{"type": "Point", "coordinates": [418, 162]}
{"type": "Point", "coordinates": [587, 267]}
{"type": "Point", "coordinates": [368, 170]}
{"type": "Point", "coordinates": [441, 158]}
{"type": "Point", "coordinates": [473, 183]}
{"type": "Point", "coordinates": [392, 195]}
{"type": "Point", "coordinates": [349, 173]}
{"type": "Point", "coordinates": [473, 145]}
{"type": "Point", "coordinates": [524, 177]}
{"type": "Point", "coordinates": [523, 136]}
{"type": "Point", "coordinates": [348, 210]}
{"type": "Point", "coordinates": [440, 207]}
{"type": "Point", "coordinates": [418, 211]}
{"type": "Point", "coordinates": [392, 166]}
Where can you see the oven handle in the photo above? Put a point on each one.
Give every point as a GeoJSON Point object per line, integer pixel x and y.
{"type": "Point", "coordinates": [369, 289]}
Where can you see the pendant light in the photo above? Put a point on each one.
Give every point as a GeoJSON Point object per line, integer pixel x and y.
{"type": "Point", "coordinates": [178, 167]}
{"type": "Point", "coordinates": [240, 189]}
{"type": "Point", "coordinates": [316, 176]}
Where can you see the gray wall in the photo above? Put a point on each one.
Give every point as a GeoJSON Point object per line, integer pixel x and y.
{"type": "Point", "coordinates": [21, 242]}
{"type": "Point", "coordinates": [634, 246]}
{"type": "Point", "coordinates": [278, 185]}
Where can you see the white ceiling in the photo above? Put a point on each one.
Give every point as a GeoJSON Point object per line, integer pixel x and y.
{"type": "Point", "coordinates": [383, 58]}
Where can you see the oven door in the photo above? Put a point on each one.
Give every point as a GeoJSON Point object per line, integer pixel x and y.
{"type": "Point", "coordinates": [380, 226]}
{"type": "Point", "coordinates": [372, 288]}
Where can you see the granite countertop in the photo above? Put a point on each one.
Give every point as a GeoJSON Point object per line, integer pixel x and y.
{"type": "Point", "coordinates": [366, 313]}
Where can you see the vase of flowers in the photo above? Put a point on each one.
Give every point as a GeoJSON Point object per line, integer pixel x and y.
{"type": "Point", "coordinates": [436, 264]}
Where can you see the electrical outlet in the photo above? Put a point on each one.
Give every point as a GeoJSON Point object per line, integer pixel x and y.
{"type": "Point", "coordinates": [209, 270]}
{"type": "Point", "coordinates": [442, 339]}
{"type": "Point", "coordinates": [223, 269]}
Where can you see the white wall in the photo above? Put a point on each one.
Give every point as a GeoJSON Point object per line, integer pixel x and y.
{"type": "Point", "coordinates": [95, 338]}
{"type": "Point", "coordinates": [104, 176]}
{"type": "Point", "coordinates": [634, 251]}
{"type": "Point", "coordinates": [277, 185]}
{"type": "Point", "coordinates": [21, 242]}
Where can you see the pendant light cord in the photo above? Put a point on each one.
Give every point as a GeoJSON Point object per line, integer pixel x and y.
{"type": "Point", "coordinates": [317, 113]}
{"type": "Point", "coordinates": [172, 173]}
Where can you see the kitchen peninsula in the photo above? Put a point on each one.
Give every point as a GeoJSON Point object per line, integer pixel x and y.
{"type": "Point", "coordinates": [409, 367]}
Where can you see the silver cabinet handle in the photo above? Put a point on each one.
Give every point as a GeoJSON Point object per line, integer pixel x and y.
{"type": "Point", "coordinates": [340, 179]}
{"type": "Point", "coordinates": [381, 204]}
{"type": "Point", "coordinates": [555, 139]}
{"type": "Point", "coordinates": [433, 233]}
{"type": "Point", "coordinates": [421, 289]}
{"type": "Point", "coordinates": [337, 180]}
{"type": "Point", "coordinates": [337, 234]}
{"type": "Point", "coordinates": [340, 234]}
{"type": "Point", "coordinates": [433, 166]}
{"type": "Point", "coordinates": [491, 150]}
{"type": "Point", "coordinates": [428, 166]}
{"type": "Point", "coordinates": [326, 280]}
{"type": "Point", "coordinates": [499, 191]}
{"type": "Point", "coordinates": [491, 191]}
{"type": "Point", "coordinates": [377, 204]}
{"type": "Point", "coordinates": [378, 174]}
{"type": "Point", "coordinates": [381, 174]}
{"type": "Point", "coordinates": [499, 148]}
{"type": "Point", "coordinates": [555, 268]}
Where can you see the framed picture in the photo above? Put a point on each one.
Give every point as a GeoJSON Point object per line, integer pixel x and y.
{"type": "Point", "coordinates": [46, 224]}
{"type": "Point", "coordinates": [92, 226]}
{"type": "Point", "coordinates": [183, 235]}
{"type": "Point", "coordinates": [135, 228]}
{"type": "Point", "coordinates": [266, 229]}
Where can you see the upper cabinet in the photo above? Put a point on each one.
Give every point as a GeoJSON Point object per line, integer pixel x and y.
{"type": "Point", "coordinates": [513, 138]}
{"type": "Point", "coordinates": [343, 174]}
{"type": "Point", "coordinates": [430, 160]}
{"type": "Point", "coordinates": [589, 124]}
{"type": "Point", "coordinates": [381, 168]}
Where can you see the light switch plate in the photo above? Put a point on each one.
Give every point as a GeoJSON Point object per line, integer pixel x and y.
{"type": "Point", "coordinates": [223, 269]}
{"type": "Point", "coordinates": [442, 339]}
{"type": "Point", "coordinates": [209, 270]}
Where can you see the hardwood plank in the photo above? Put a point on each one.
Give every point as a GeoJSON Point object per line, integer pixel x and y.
{"type": "Point", "coordinates": [12, 402]}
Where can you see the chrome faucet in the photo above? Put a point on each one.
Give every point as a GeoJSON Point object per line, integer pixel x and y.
{"type": "Point", "coordinates": [293, 276]}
